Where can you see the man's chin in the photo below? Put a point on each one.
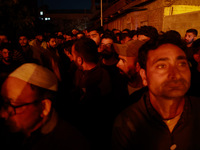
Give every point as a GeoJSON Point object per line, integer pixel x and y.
{"type": "Point", "coordinates": [174, 94]}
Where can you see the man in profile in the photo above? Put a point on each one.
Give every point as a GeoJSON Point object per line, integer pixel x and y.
{"type": "Point", "coordinates": [190, 36]}
{"type": "Point", "coordinates": [128, 63]}
{"type": "Point", "coordinates": [164, 118]}
{"type": "Point", "coordinates": [92, 93]}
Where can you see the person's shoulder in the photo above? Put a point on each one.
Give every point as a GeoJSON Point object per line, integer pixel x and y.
{"type": "Point", "coordinates": [69, 135]}
{"type": "Point", "coordinates": [195, 101]}
{"type": "Point", "coordinates": [135, 112]}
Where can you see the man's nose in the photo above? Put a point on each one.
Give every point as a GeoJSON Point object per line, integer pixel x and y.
{"type": "Point", "coordinates": [4, 114]}
{"type": "Point", "coordinates": [174, 73]}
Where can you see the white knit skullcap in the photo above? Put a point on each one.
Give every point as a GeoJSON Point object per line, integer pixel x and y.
{"type": "Point", "coordinates": [36, 75]}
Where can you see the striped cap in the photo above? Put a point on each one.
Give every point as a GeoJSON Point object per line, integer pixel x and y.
{"type": "Point", "coordinates": [36, 75]}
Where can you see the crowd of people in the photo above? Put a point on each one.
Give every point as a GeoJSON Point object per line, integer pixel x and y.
{"type": "Point", "coordinates": [100, 89]}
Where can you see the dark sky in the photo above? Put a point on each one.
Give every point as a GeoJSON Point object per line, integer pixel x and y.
{"type": "Point", "coordinates": [66, 4]}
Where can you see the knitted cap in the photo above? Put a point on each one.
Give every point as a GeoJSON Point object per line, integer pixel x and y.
{"type": "Point", "coordinates": [129, 49]}
{"type": "Point", "coordinates": [36, 75]}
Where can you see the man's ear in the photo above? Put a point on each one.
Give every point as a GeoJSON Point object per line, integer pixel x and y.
{"type": "Point", "coordinates": [137, 67]}
{"type": "Point", "coordinates": [67, 53]}
{"type": "Point", "coordinates": [79, 61]}
{"type": "Point", "coordinates": [143, 76]}
{"type": "Point", "coordinates": [47, 43]}
{"type": "Point", "coordinates": [196, 57]}
{"type": "Point", "coordinates": [46, 104]}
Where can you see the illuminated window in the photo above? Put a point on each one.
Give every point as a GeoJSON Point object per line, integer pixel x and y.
{"type": "Point", "coordinates": [180, 9]}
{"type": "Point", "coordinates": [41, 13]}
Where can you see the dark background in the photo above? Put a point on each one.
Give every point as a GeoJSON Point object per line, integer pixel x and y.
{"type": "Point", "coordinates": [66, 4]}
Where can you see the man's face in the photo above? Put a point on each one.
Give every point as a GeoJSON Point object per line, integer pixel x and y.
{"type": "Point", "coordinates": [23, 41]}
{"type": "Point", "coordinates": [23, 118]}
{"type": "Point", "coordinates": [167, 72]}
{"type": "Point", "coordinates": [3, 39]}
{"type": "Point", "coordinates": [52, 43]}
{"type": "Point", "coordinates": [127, 65]}
{"type": "Point", "coordinates": [94, 35]}
{"type": "Point", "coordinates": [189, 37]}
{"type": "Point", "coordinates": [39, 38]}
{"type": "Point", "coordinates": [106, 49]}
{"type": "Point", "coordinates": [6, 55]}
{"type": "Point", "coordinates": [125, 40]}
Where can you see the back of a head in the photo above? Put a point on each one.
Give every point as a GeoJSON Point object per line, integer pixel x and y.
{"type": "Point", "coordinates": [68, 46]}
{"type": "Point", "coordinates": [124, 35]}
{"type": "Point", "coordinates": [148, 31]}
{"type": "Point", "coordinates": [87, 49]}
{"type": "Point", "coordinates": [194, 31]}
{"type": "Point", "coordinates": [173, 33]}
{"type": "Point", "coordinates": [155, 43]}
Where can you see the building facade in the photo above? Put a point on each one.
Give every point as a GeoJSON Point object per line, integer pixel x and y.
{"type": "Point", "coordinates": [165, 15]}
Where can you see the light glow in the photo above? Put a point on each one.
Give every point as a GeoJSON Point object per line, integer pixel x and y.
{"type": "Point", "coordinates": [180, 9]}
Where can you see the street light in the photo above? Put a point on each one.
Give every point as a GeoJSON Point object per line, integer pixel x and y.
{"type": "Point", "coordinates": [101, 13]}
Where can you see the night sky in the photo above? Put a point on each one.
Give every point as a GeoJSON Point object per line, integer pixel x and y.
{"type": "Point", "coordinates": [66, 4]}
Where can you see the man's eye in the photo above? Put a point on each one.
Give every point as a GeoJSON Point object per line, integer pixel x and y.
{"type": "Point", "coordinates": [161, 66]}
{"type": "Point", "coordinates": [122, 60]}
{"type": "Point", "coordinates": [182, 64]}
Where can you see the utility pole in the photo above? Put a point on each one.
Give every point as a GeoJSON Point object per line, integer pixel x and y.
{"type": "Point", "coordinates": [101, 13]}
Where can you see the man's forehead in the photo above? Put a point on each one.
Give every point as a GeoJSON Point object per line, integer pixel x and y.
{"type": "Point", "coordinates": [14, 89]}
{"type": "Point", "coordinates": [93, 32]}
{"type": "Point", "coordinates": [106, 40]}
{"type": "Point", "coordinates": [190, 33]}
{"type": "Point", "coordinates": [22, 37]}
{"type": "Point", "coordinates": [166, 51]}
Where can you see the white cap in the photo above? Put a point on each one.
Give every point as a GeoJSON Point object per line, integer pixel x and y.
{"type": "Point", "coordinates": [36, 75]}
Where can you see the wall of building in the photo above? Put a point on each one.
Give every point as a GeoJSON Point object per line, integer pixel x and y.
{"type": "Point", "coordinates": [182, 22]}
{"type": "Point", "coordinates": [179, 16]}
{"type": "Point", "coordinates": [153, 16]}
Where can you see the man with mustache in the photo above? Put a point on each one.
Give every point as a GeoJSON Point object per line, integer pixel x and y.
{"type": "Point", "coordinates": [128, 63]}
{"type": "Point", "coordinates": [164, 118]}
{"type": "Point", "coordinates": [190, 37]}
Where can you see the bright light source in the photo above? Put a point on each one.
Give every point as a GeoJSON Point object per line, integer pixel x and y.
{"type": "Point", "coordinates": [41, 13]}
{"type": "Point", "coordinates": [48, 18]}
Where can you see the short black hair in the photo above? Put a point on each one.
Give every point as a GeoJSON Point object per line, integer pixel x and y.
{"type": "Point", "coordinates": [154, 44]}
{"type": "Point", "coordinates": [124, 35]}
{"type": "Point", "coordinates": [173, 33]}
{"type": "Point", "coordinates": [68, 46]}
{"type": "Point", "coordinates": [99, 30]}
{"type": "Point", "coordinates": [87, 49]}
{"type": "Point", "coordinates": [108, 35]}
{"type": "Point", "coordinates": [194, 31]}
{"type": "Point", "coordinates": [148, 31]}
{"type": "Point", "coordinates": [50, 37]}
